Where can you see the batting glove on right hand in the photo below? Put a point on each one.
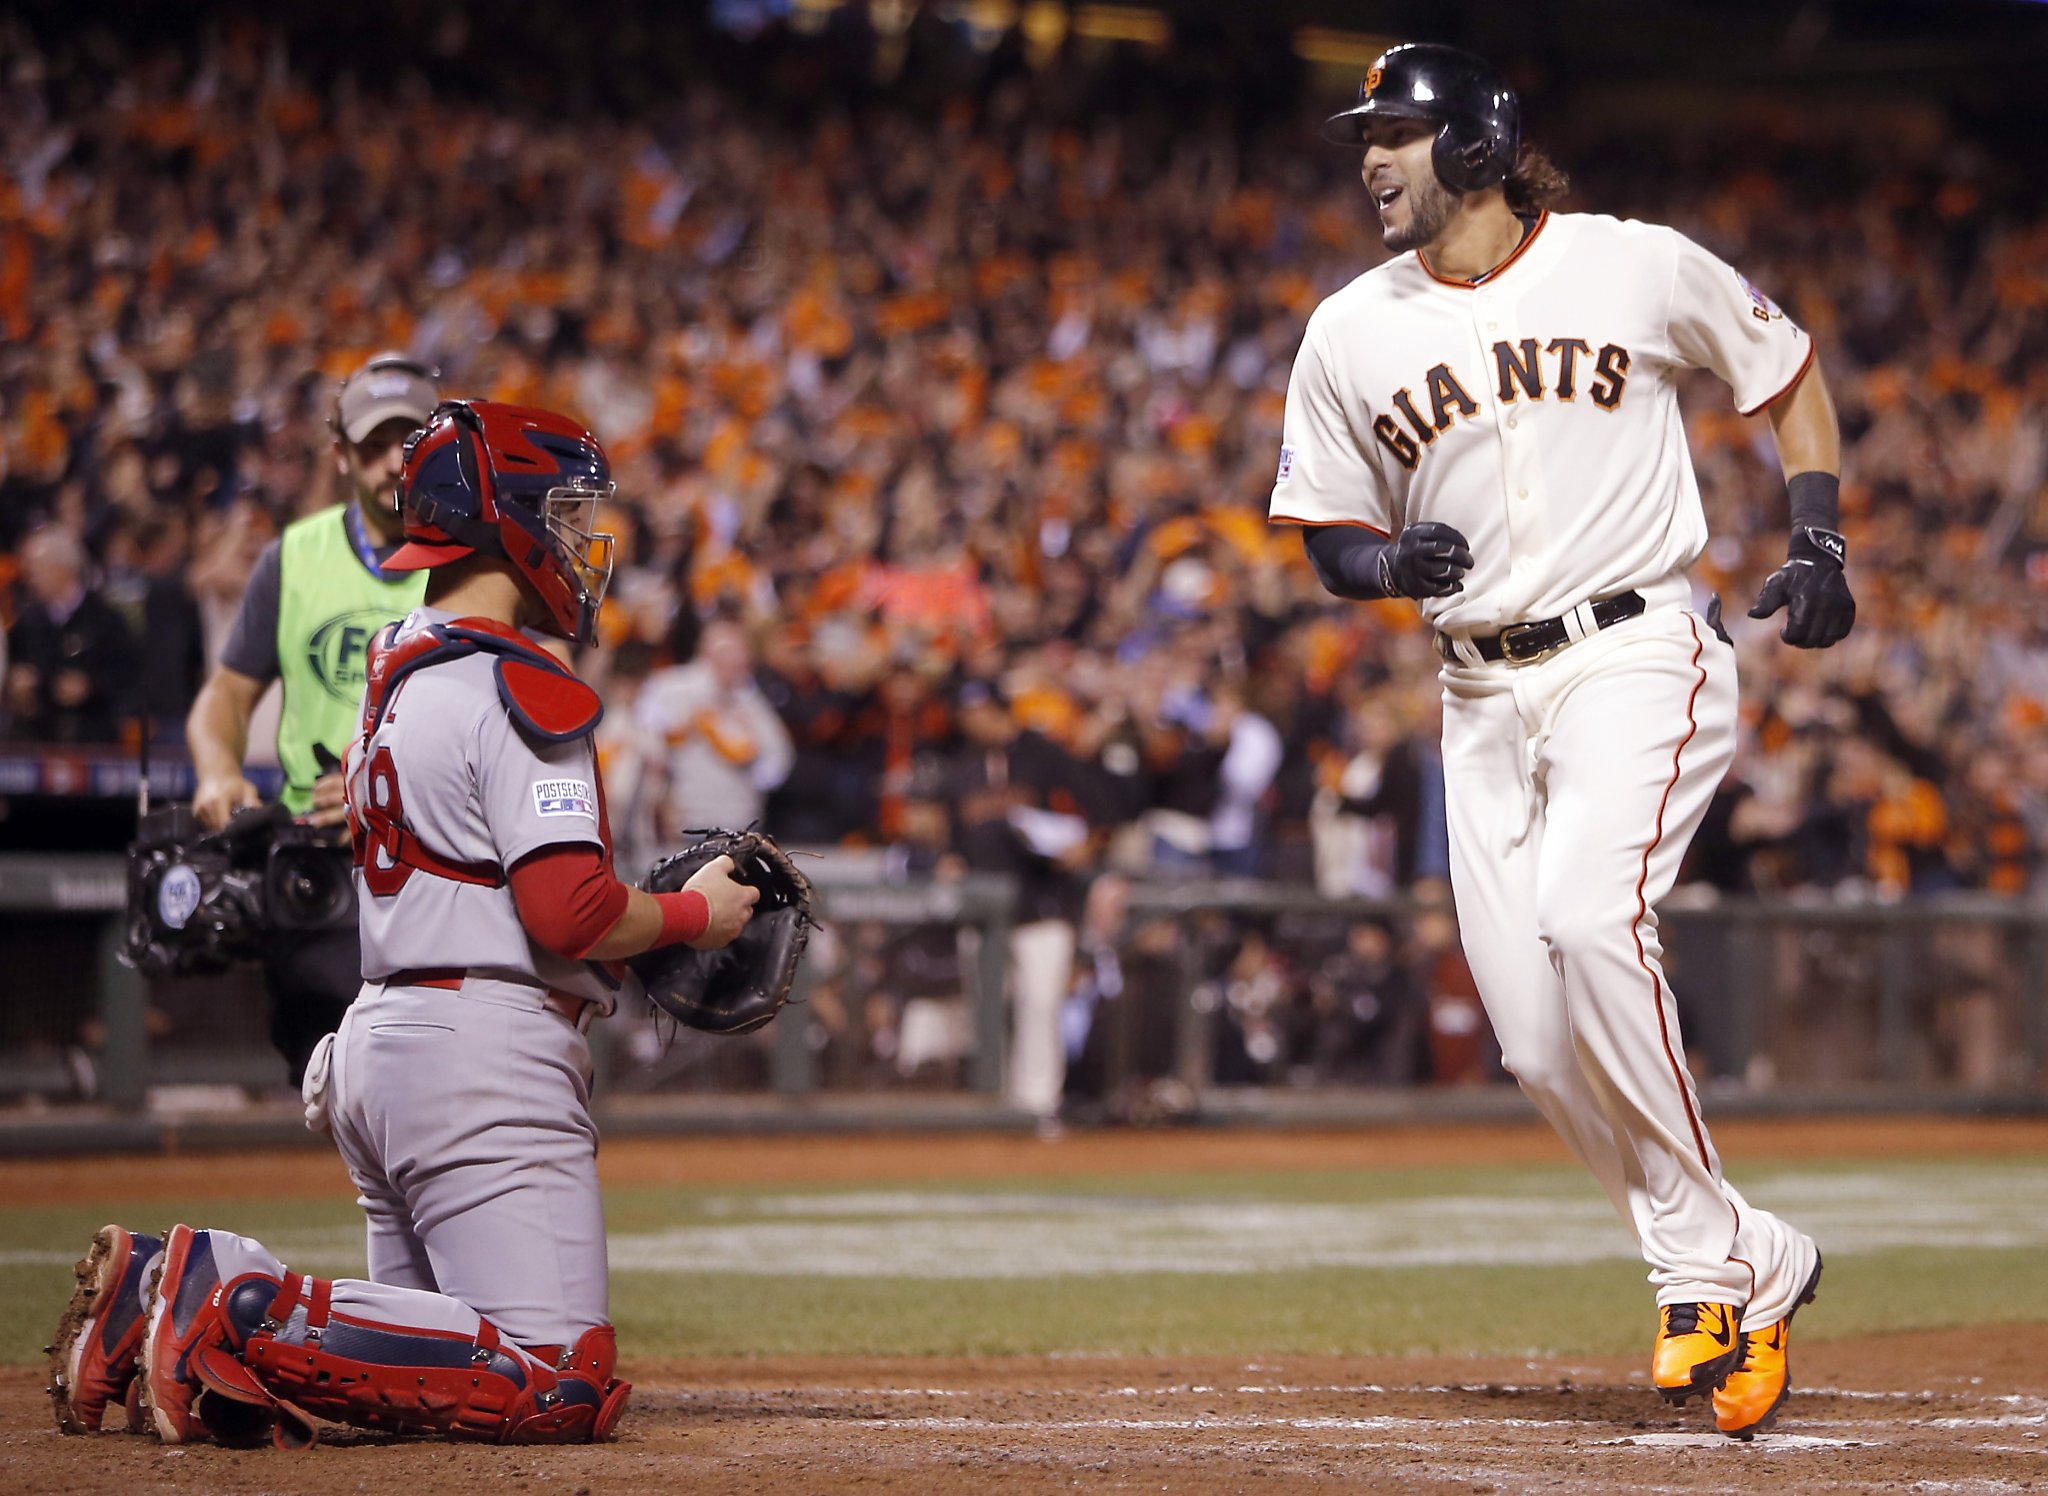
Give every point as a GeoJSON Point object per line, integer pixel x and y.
{"type": "Point", "coordinates": [1425, 560]}
{"type": "Point", "coordinates": [1810, 586]}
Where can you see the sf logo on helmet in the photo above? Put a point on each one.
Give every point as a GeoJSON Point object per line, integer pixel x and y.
{"type": "Point", "coordinates": [1372, 79]}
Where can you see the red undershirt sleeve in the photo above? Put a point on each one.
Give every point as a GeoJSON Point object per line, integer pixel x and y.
{"type": "Point", "coordinates": [568, 897]}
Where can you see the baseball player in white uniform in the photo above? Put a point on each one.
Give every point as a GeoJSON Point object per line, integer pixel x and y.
{"type": "Point", "coordinates": [1488, 423]}
{"type": "Point", "coordinates": [458, 1086]}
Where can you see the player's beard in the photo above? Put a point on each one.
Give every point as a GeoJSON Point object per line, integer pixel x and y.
{"type": "Point", "coordinates": [1430, 206]}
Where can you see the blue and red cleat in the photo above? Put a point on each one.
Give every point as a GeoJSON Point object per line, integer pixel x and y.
{"type": "Point", "coordinates": [180, 1321]}
{"type": "Point", "coordinates": [93, 1355]}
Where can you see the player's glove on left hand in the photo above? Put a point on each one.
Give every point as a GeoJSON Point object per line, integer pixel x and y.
{"type": "Point", "coordinates": [1425, 560]}
{"type": "Point", "coordinates": [1812, 590]}
{"type": "Point", "coordinates": [741, 985]}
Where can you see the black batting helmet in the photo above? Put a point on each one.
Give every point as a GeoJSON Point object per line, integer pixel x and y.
{"type": "Point", "coordinates": [1479, 115]}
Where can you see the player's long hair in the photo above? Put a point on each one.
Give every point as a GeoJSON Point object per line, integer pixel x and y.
{"type": "Point", "coordinates": [1536, 182]}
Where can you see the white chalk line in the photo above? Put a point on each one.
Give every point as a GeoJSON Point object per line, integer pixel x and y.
{"type": "Point", "coordinates": [1229, 1422]}
{"type": "Point", "coordinates": [1767, 1443]}
{"type": "Point", "coordinates": [1771, 1443]}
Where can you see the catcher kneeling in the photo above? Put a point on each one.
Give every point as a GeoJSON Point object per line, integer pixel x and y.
{"type": "Point", "coordinates": [458, 1086]}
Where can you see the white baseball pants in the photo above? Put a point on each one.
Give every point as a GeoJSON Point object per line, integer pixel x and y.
{"type": "Point", "coordinates": [1574, 786]}
{"type": "Point", "coordinates": [465, 1123]}
{"type": "Point", "coordinates": [1041, 975]}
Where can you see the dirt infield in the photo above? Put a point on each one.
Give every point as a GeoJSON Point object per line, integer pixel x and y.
{"type": "Point", "coordinates": [1943, 1411]}
{"type": "Point", "coordinates": [1948, 1411]}
{"type": "Point", "coordinates": [312, 1174]}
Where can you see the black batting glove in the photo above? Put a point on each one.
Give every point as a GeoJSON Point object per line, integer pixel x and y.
{"type": "Point", "coordinates": [1425, 560]}
{"type": "Point", "coordinates": [1812, 590]}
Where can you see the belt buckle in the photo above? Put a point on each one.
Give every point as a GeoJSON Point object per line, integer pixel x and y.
{"type": "Point", "coordinates": [1515, 654]}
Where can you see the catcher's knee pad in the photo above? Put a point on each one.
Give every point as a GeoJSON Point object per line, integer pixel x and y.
{"type": "Point", "coordinates": [297, 1349]}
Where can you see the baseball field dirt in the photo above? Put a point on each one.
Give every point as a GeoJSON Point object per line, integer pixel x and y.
{"type": "Point", "coordinates": [318, 1173]}
{"type": "Point", "coordinates": [1938, 1411]}
{"type": "Point", "coordinates": [1960, 1409]}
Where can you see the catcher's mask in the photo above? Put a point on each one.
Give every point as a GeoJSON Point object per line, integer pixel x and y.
{"type": "Point", "coordinates": [484, 478]}
{"type": "Point", "coordinates": [1479, 117]}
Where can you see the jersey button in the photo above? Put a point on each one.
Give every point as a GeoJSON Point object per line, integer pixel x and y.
{"type": "Point", "coordinates": [1512, 422]}
{"type": "Point", "coordinates": [1523, 494]}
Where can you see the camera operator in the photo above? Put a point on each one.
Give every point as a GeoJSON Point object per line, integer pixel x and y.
{"type": "Point", "coordinates": [316, 599]}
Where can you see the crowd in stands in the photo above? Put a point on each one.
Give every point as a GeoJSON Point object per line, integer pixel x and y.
{"type": "Point", "coordinates": [946, 420]}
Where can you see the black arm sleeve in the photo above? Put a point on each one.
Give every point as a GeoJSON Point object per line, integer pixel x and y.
{"type": "Point", "coordinates": [252, 643]}
{"type": "Point", "coordinates": [1346, 559]}
{"type": "Point", "coordinates": [1816, 501]}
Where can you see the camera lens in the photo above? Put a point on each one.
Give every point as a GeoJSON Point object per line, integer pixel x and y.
{"type": "Point", "coordinates": [310, 887]}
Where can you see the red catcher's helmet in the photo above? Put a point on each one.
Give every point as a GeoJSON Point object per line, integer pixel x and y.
{"type": "Point", "coordinates": [521, 484]}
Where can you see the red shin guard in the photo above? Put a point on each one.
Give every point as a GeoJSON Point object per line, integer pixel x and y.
{"type": "Point", "coordinates": [296, 1349]}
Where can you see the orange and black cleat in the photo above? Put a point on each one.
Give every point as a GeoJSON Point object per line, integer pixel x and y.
{"type": "Point", "coordinates": [1749, 1402]}
{"type": "Point", "coordinates": [1698, 1347]}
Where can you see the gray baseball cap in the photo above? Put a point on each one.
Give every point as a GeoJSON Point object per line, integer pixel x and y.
{"type": "Point", "coordinates": [389, 385]}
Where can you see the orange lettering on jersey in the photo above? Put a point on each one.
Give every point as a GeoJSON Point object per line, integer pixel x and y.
{"type": "Point", "coordinates": [1568, 351]}
{"type": "Point", "coordinates": [1405, 403]}
{"type": "Point", "coordinates": [1525, 369]}
{"type": "Point", "coordinates": [1446, 395]}
{"type": "Point", "coordinates": [1611, 374]}
{"type": "Point", "coordinates": [1397, 441]}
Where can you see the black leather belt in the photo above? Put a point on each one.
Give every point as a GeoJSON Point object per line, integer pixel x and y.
{"type": "Point", "coordinates": [1523, 643]}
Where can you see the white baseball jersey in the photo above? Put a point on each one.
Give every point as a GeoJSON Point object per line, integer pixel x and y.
{"type": "Point", "coordinates": [1536, 411]}
{"type": "Point", "coordinates": [449, 766]}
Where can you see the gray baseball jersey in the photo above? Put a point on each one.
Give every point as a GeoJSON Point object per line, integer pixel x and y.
{"type": "Point", "coordinates": [449, 768]}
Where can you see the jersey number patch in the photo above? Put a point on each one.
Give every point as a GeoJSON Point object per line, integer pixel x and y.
{"type": "Point", "coordinates": [378, 836]}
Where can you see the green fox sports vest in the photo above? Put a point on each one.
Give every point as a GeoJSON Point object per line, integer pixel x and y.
{"type": "Point", "coordinates": [329, 607]}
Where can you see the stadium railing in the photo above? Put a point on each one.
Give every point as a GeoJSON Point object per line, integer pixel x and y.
{"type": "Point", "coordinates": [1942, 1002]}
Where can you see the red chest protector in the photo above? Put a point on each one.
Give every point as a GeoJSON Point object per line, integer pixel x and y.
{"type": "Point", "coordinates": [542, 696]}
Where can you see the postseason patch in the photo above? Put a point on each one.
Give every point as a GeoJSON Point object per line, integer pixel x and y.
{"type": "Point", "coordinates": [1761, 306]}
{"type": "Point", "coordinates": [1286, 465]}
{"type": "Point", "coordinates": [563, 797]}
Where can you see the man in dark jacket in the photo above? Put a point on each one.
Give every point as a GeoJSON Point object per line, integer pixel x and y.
{"type": "Point", "coordinates": [72, 659]}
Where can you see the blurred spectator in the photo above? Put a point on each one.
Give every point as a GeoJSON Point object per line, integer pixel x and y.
{"type": "Point", "coordinates": [1251, 761]}
{"type": "Point", "coordinates": [629, 764]}
{"type": "Point", "coordinates": [71, 658]}
{"type": "Point", "coordinates": [1096, 1032]}
{"type": "Point", "coordinates": [1254, 1000]}
{"type": "Point", "coordinates": [893, 754]}
{"type": "Point", "coordinates": [1462, 1049]}
{"type": "Point", "coordinates": [719, 744]}
{"type": "Point", "coordinates": [1382, 827]}
{"type": "Point", "coordinates": [1024, 810]}
{"type": "Point", "coordinates": [145, 570]}
{"type": "Point", "coordinates": [975, 372]}
{"type": "Point", "coordinates": [830, 793]}
{"type": "Point", "coordinates": [1371, 1019]}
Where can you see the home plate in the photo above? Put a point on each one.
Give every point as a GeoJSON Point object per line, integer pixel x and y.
{"type": "Point", "coordinates": [1722, 1441]}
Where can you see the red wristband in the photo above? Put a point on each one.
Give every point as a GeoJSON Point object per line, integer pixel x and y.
{"type": "Point", "coordinates": [685, 915]}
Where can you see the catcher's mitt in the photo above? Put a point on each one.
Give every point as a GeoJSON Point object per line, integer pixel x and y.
{"type": "Point", "coordinates": [739, 986]}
